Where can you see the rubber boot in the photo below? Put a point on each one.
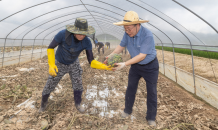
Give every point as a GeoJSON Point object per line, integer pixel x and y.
{"type": "Point", "coordinates": [44, 102]}
{"type": "Point", "coordinates": [78, 99]}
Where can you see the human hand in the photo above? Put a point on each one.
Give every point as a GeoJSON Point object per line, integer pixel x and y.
{"type": "Point", "coordinates": [105, 62]}
{"type": "Point", "coordinates": [119, 66]}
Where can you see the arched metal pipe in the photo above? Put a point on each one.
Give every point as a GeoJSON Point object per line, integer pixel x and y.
{"type": "Point", "coordinates": [173, 44]}
{"type": "Point", "coordinates": [40, 16]}
{"type": "Point", "coordinates": [45, 36]}
{"type": "Point", "coordinates": [63, 16]}
{"type": "Point", "coordinates": [174, 21]}
{"type": "Point", "coordinates": [51, 27]}
{"type": "Point", "coordinates": [151, 25]}
{"type": "Point", "coordinates": [26, 9]}
{"type": "Point", "coordinates": [162, 54]}
{"type": "Point", "coordinates": [196, 15]}
{"type": "Point", "coordinates": [63, 27]}
{"type": "Point", "coordinates": [91, 14]}
{"type": "Point", "coordinates": [37, 35]}
{"type": "Point", "coordinates": [27, 22]}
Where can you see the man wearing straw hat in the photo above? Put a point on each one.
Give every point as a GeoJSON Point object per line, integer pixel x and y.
{"type": "Point", "coordinates": [71, 42]}
{"type": "Point", "coordinates": [140, 44]}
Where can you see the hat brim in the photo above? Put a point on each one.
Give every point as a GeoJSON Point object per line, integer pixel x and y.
{"type": "Point", "coordinates": [121, 23]}
{"type": "Point", "coordinates": [73, 29]}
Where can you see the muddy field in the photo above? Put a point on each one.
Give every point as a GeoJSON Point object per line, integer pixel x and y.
{"type": "Point", "coordinates": [204, 67]}
{"type": "Point", "coordinates": [103, 97]}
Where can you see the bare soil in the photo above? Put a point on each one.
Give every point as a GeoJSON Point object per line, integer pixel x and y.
{"type": "Point", "coordinates": [204, 67]}
{"type": "Point", "coordinates": [103, 97]}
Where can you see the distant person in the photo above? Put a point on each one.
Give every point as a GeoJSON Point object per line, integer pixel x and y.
{"type": "Point", "coordinates": [71, 42]}
{"type": "Point", "coordinates": [107, 45]}
{"type": "Point", "coordinates": [100, 46]}
{"type": "Point", "coordinates": [96, 42]}
{"type": "Point", "coordinates": [124, 51]}
{"type": "Point", "coordinates": [140, 44]}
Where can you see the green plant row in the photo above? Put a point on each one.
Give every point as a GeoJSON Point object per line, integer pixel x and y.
{"type": "Point", "coordinates": [205, 54]}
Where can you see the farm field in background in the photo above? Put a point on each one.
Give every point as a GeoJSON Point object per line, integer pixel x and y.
{"type": "Point", "coordinates": [204, 67]}
{"type": "Point", "coordinates": [199, 53]}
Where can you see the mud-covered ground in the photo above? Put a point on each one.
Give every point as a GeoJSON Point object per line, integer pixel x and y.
{"type": "Point", "coordinates": [103, 98]}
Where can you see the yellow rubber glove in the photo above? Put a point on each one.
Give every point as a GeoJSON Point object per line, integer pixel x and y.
{"type": "Point", "coordinates": [51, 62]}
{"type": "Point", "coordinates": [98, 65]}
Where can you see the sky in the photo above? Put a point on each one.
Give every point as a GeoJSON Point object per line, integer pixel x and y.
{"type": "Point", "coordinates": [168, 21]}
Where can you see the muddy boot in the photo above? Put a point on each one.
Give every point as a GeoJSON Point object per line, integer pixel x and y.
{"type": "Point", "coordinates": [78, 99]}
{"type": "Point", "coordinates": [44, 103]}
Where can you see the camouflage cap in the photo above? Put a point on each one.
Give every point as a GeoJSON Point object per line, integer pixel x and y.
{"type": "Point", "coordinates": [80, 27]}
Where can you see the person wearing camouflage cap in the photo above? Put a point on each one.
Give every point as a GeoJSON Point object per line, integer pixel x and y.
{"type": "Point", "coordinates": [71, 42]}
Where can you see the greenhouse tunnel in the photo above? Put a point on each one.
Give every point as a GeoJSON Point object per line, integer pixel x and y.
{"type": "Point", "coordinates": [185, 34]}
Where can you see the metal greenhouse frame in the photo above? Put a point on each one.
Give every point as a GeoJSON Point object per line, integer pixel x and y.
{"type": "Point", "coordinates": [35, 24]}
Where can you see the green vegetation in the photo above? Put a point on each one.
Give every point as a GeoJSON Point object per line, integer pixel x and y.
{"type": "Point", "coordinates": [205, 54]}
{"type": "Point", "coordinates": [116, 58]}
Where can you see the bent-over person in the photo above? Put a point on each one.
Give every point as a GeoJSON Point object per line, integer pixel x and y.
{"type": "Point", "coordinates": [71, 42]}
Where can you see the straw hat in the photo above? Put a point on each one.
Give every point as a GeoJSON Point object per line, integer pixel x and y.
{"type": "Point", "coordinates": [80, 27]}
{"type": "Point", "coordinates": [130, 18]}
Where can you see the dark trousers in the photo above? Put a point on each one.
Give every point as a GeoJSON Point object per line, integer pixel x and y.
{"type": "Point", "coordinates": [150, 73]}
{"type": "Point", "coordinates": [99, 50]}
